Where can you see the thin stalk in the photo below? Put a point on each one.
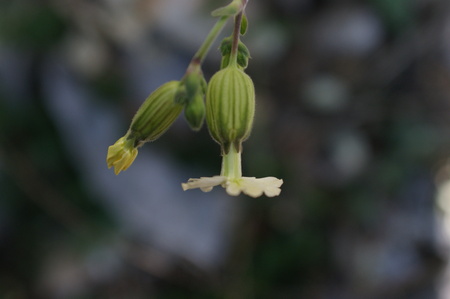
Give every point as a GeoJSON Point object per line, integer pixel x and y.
{"type": "Point", "coordinates": [200, 55]}
{"type": "Point", "coordinates": [236, 37]}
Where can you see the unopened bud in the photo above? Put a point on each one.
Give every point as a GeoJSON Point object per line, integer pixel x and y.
{"type": "Point", "coordinates": [193, 83]}
{"type": "Point", "coordinates": [230, 107]}
{"type": "Point", "coordinates": [156, 114]}
{"type": "Point", "coordinates": [191, 94]}
{"type": "Point", "coordinates": [152, 119]}
{"type": "Point", "coordinates": [194, 112]}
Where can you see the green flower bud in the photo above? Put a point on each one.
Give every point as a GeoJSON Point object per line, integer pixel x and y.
{"type": "Point", "coordinates": [230, 107]}
{"type": "Point", "coordinates": [193, 83]}
{"type": "Point", "coordinates": [156, 114]}
{"type": "Point", "coordinates": [194, 112]}
{"type": "Point", "coordinates": [191, 93]}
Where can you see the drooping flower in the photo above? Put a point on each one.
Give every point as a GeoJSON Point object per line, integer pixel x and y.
{"type": "Point", "coordinates": [153, 118]}
{"type": "Point", "coordinates": [230, 109]}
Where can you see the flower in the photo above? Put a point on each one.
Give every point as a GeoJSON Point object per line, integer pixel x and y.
{"type": "Point", "coordinates": [153, 118]}
{"type": "Point", "coordinates": [232, 180]}
{"type": "Point", "coordinates": [121, 154]}
{"type": "Point", "coordinates": [230, 109]}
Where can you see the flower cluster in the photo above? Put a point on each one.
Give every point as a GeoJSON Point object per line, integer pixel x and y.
{"type": "Point", "coordinates": [227, 102]}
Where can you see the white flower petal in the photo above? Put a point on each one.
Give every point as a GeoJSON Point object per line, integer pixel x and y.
{"type": "Point", "coordinates": [233, 187]}
{"type": "Point", "coordinates": [270, 180]}
{"type": "Point", "coordinates": [205, 184]}
{"type": "Point", "coordinates": [205, 189]}
{"type": "Point", "coordinates": [270, 186]}
{"type": "Point", "coordinates": [254, 187]}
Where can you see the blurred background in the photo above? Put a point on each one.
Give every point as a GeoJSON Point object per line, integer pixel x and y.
{"type": "Point", "coordinates": [353, 106]}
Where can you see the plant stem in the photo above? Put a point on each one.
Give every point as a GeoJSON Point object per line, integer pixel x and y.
{"type": "Point", "coordinates": [200, 55]}
{"type": "Point", "coordinates": [237, 33]}
{"type": "Point", "coordinates": [236, 37]}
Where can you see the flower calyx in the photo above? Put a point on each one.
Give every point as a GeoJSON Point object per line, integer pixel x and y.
{"type": "Point", "coordinates": [230, 107]}
{"type": "Point", "coordinates": [156, 114]}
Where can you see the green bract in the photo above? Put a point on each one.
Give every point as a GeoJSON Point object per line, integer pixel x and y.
{"type": "Point", "coordinates": [243, 54]}
{"type": "Point", "coordinates": [230, 107]}
{"type": "Point", "coordinates": [244, 24]}
{"type": "Point", "coordinates": [156, 114]}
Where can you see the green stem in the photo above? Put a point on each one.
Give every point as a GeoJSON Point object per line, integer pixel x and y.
{"type": "Point", "coordinates": [231, 164]}
{"type": "Point", "coordinates": [204, 48]}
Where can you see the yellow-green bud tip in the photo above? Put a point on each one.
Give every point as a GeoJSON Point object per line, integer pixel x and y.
{"type": "Point", "coordinates": [121, 154]}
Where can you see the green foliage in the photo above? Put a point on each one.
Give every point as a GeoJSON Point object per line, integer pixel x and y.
{"type": "Point", "coordinates": [397, 15]}
{"type": "Point", "coordinates": [30, 25]}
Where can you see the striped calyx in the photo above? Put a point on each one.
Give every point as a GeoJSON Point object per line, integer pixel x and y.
{"type": "Point", "coordinates": [230, 107]}
{"type": "Point", "coordinates": [156, 114]}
